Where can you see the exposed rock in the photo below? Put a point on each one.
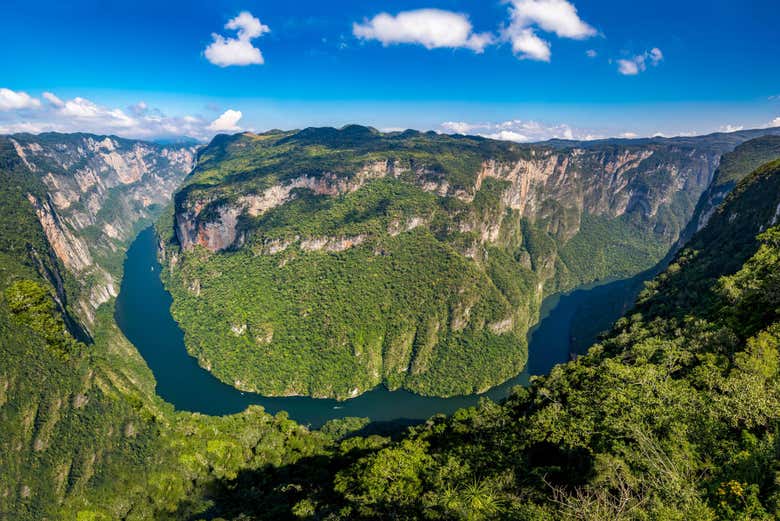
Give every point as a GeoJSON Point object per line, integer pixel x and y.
{"type": "Point", "coordinates": [332, 244]}
{"type": "Point", "coordinates": [89, 180]}
{"type": "Point", "coordinates": [238, 329]}
{"type": "Point", "coordinates": [80, 400]}
{"type": "Point", "coordinates": [503, 326]}
{"type": "Point", "coordinates": [72, 251]}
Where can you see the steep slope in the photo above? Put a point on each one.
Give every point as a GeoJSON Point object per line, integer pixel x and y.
{"type": "Point", "coordinates": [83, 434]}
{"type": "Point", "coordinates": [674, 415]}
{"type": "Point", "coordinates": [734, 166]}
{"type": "Point", "coordinates": [324, 262]}
{"type": "Point", "coordinates": [92, 194]}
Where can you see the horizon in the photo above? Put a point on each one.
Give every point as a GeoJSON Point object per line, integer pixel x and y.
{"type": "Point", "coordinates": [516, 70]}
{"type": "Point", "coordinates": [164, 140]}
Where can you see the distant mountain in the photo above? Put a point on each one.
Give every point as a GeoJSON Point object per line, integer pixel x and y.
{"type": "Point", "coordinates": [327, 261]}
{"type": "Point", "coordinates": [733, 168]}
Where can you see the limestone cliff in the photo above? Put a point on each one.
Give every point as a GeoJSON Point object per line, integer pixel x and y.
{"type": "Point", "coordinates": [412, 259]}
{"type": "Point", "coordinates": [96, 192]}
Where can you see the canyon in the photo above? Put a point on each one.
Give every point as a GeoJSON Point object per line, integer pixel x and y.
{"type": "Point", "coordinates": [284, 245]}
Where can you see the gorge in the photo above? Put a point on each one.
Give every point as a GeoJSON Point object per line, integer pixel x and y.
{"type": "Point", "coordinates": [147, 460]}
{"type": "Point", "coordinates": [326, 262]}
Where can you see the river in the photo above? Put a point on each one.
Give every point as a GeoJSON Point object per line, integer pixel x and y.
{"type": "Point", "coordinates": [143, 314]}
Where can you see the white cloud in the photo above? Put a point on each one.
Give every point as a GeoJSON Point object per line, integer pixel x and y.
{"type": "Point", "coordinates": [431, 28]}
{"type": "Point", "coordinates": [637, 64]}
{"type": "Point", "coordinates": [53, 99]}
{"type": "Point", "coordinates": [528, 46]}
{"type": "Point", "coordinates": [655, 55]}
{"type": "Point", "coordinates": [553, 16]}
{"type": "Point", "coordinates": [631, 67]}
{"type": "Point", "coordinates": [227, 122]}
{"type": "Point", "coordinates": [225, 51]}
{"type": "Point", "coordinates": [83, 115]}
{"type": "Point", "coordinates": [629, 135]}
{"type": "Point", "coordinates": [775, 122]}
{"type": "Point", "coordinates": [521, 131]}
{"type": "Point", "coordinates": [13, 100]}
{"type": "Point", "coordinates": [731, 128]}
{"type": "Point", "coordinates": [591, 53]}
{"type": "Point", "coordinates": [83, 109]}
{"type": "Point", "coordinates": [457, 127]}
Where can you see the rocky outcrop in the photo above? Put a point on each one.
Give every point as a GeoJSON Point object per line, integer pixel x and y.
{"type": "Point", "coordinates": [72, 251]}
{"type": "Point", "coordinates": [405, 257]}
{"type": "Point", "coordinates": [219, 230]}
{"type": "Point", "coordinates": [551, 186]}
{"type": "Point", "coordinates": [97, 189]}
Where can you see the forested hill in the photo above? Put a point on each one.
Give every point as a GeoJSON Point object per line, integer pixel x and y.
{"type": "Point", "coordinates": [673, 415]}
{"type": "Point", "coordinates": [325, 262]}
{"type": "Point", "coordinates": [734, 167]}
{"type": "Point", "coordinates": [82, 434]}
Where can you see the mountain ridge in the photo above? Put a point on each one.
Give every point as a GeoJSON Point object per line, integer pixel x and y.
{"type": "Point", "coordinates": [317, 200]}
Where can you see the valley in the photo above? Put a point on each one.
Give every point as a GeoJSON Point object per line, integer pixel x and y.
{"type": "Point", "coordinates": [327, 262]}
{"type": "Point", "coordinates": [506, 260]}
{"type": "Point", "coordinates": [142, 313]}
{"type": "Point", "coordinates": [168, 440]}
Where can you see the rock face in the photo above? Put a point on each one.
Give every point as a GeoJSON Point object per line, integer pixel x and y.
{"type": "Point", "coordinates": [551, 186]}
{"type": "Point", "coordinates": [734, 167]}
{"type": "Point", "coordinates": [97, 190]}
{"type": "Point", "coordinates": [221, 232]}
{"type": "Point", "coordinates": [413, 260]}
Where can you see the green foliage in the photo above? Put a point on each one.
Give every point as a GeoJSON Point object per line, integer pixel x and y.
{"type": "Point", "coordinates": [610, 248]}
{"type": "Point", "coordinates": [325, 324]}
{"type": "Point", "coordinates": [383, 281]}
{"type": "Point", "coordinates": [673, 415]}
{"type": "Point", "coordinates": [31, 304]}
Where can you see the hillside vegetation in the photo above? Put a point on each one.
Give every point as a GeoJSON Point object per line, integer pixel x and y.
{"type": "Point", "coordinates": [83, 435]}
{"type": "Point", "coordinates": [673, 415]}
{"type": "Point", "coordinates": [325, 262]}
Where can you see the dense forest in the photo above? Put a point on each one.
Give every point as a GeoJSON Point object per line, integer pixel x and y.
{"type": "Point", "coordinates": [671, 415]}
{"type": "Point", "coordinates": [325, 262]}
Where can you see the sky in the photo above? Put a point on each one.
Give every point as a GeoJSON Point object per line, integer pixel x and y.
{"type": "Point", "coordinates": [521, 70]}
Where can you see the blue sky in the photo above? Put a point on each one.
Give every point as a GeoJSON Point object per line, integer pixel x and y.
{"type": "Point", "coordinates": [515, 69]}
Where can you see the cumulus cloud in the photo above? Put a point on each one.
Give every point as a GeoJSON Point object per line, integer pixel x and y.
{"type": "Point", "coordinates": [528, 46]}
{"type": "Point", "coordinates": [17, 100]}
{"type": "Point", "coordinates": [553, 16]}
{"type": "Point", "coordinates": [520, 131]}
{"type": "Point", "coordinates": [227, 122]}
{"type": "Point", "coordinates": [559, 17]}
{"type": "Point", "coordinates": [635, 65]}
{"type": "Point", "coordinates": [629, 135]}
{"type": "Point", "coordinates": [431, 28]}
{"type": "Point", "coordinates": [731, 128]}
{"type": "Point", "coordinates": [53, 99]}
{"type": "Point", "coordinates": [226, 51]}
{"type": "Point", "coordinates": [80, 114]}
{"type": "Point", "coordinates": [775, 122]}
